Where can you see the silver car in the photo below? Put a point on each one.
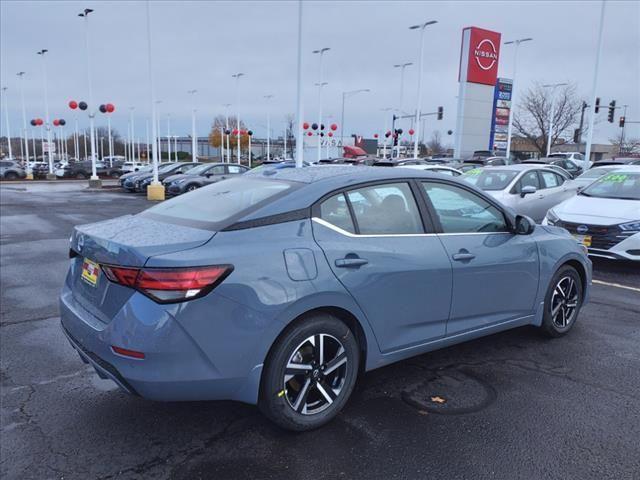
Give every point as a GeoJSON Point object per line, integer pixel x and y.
{"type": "Point", "coordinates": [11, 170]}
{"type": "Point", "coordinates": [528, 189]}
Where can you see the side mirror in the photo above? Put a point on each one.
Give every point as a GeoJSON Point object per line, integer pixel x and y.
{"type": "Point", "coordinates": [527, 190]}
{"type": "Point", "coordinates": [524, 225]}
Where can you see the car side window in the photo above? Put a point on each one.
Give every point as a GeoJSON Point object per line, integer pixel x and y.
{"type": "Point", "coordinates": [387, 209]}
{"type": "Point", "coordinates": [461, 211]}
{"type": "Point", "coordinates": [528, 179]}
{"type": "Point", "coordinates": [217, 170]}
{"type": "Point", "coordinates": [550, 179]}
{"type": "Point", "coordinates": [335, 211]}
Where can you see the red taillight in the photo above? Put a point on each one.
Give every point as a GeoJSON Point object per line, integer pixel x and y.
{"type": "Point", "coordinates": [127, 353]}
{"type": "Point", "coordinates": [168, 285]}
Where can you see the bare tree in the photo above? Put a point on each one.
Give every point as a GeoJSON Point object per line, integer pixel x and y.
{"type": "Point", "coordinates": [532, 121]}
{"type": "Point", "coordinates": [435, 143]}
{"type": "Point", "coordinates": [625, 146]}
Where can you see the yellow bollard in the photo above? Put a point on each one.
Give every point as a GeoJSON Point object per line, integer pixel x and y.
{"type": "Point", "coordinates": [155, 192]}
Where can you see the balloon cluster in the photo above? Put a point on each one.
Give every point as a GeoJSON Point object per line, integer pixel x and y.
{"type": "Point", "coordinates": [59, 122]}
{"type": "Point", "coordinates": [104, 108]}
{"type": "Point", "coordinates": [321, 127]}
{"type": "Point", "coordinates": [37, 122]}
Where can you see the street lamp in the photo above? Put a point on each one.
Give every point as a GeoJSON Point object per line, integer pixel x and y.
{"type": "Point", "coordinates": [386, 128]}
{"type": "Point", "coordinates": [344, 96]}
{"type": "Point", "coordinates": [402, 66]}
{"type": "Point", "coordinates": [169, 136]}
{"type": "Point", "coordinates": [155, 191]}
{"type": "Point", "coordinates": [514, 89]}
{"type": "Point", "coordinates": [268, 97]}
{"type": "Point", "coordinates": [158, 139]}
{"type": "Point", "coordinates": [24, 124]}
{"type": "Point", "coordinates": [299, 111]}
{"type": "Point", "coordinates": [237, 77]}
{"type": "Point", "coordinates": [320, 84]}
{"type": "Point", "coordinates": [225, 138]}
{"type": "Point", "coordinates": [6, 116]}
{"type": "Point", "coordinates": [42, 53]}
{"type": "Point", "coordinates": [93, 181]}
{"type": "Point", "coordinates": [134, 158]}
{"type": "Point", "coordinates": [594, 86]}
{"type": "Point", "coordinates": [194, 139]}
{"type": "Point", "coordinates": [553, 104]}
{"type": "Point", "coordinates": [421, 27]}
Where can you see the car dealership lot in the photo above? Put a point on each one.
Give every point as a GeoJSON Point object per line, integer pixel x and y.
{"type": "Point", "coordinates": [516, 405]}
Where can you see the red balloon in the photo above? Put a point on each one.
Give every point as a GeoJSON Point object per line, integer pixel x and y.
{"type": "Point", "coordinates": [39, 121]}
{"type": "Point", "coordinates": [73, 104]}
{"type": "Point", "coordinates": [334, 126]}
{"type": "Point", "coordinates": [305, 125]}
{"type": "Point", "coordinates": [235, 131]}
{"type": "Point", "coordinates": [243, 132]}
{"type": "Point", "coordinates": [56, 122]}
{"type": "Point", "coordinates": [110, 107]}
{"type": "Point", "coordinates": [309, 133]}
{"type": "Point", "coordinates": [411, 131]}
{"type": "Point", "coordinates": [330, 134]}
{"type": "Point", "coordinates": [375, 135]}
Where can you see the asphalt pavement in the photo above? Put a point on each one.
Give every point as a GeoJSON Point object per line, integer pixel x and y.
{"type": "Point", "coordinates": [510, 406]}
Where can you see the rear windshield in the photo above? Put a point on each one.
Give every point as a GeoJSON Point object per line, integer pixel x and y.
{"type": "Point", "coordinates": [219, 203]}
{"type": "Point", "coordinates": [489, 179]}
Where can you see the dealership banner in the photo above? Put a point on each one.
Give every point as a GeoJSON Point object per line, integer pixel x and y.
{"type": "Point", "coordinates": [501, 112]}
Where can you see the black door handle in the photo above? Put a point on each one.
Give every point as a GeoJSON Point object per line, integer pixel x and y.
{"type": "Point", "coordinates": [351, 262]}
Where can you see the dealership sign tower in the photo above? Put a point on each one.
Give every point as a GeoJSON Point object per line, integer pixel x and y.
{"type": "Point", "coordinates": [478, 73]}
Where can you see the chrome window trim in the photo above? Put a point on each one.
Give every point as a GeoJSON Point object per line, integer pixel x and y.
{"type": "Point", "coordinates": [383, 235]}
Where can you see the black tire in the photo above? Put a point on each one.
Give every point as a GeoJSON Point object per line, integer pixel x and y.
{"type": "Point", "coordinates": [81, 176]}
{"type": "Point", "coordinates": [562, 302]}
{"type": "Point", "coordinates": [115, 175]}
{"type": "Point", "coordinates": [11, 176]}
{"type": "Point", "coordinates": [278, 396]}
{"type": "Point", "coordinates": [191, 187]}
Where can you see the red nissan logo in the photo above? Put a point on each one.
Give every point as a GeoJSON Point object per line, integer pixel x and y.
{"type": "Point", "coordinates": [486, 54]}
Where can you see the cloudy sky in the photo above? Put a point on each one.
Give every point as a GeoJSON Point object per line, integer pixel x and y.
{"type": "Point", "coordinates": [200, 44]}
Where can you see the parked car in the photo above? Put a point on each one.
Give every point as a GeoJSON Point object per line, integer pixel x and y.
{"type": "Point", "coordinates": [399, 162]}
{"type": "Point", "coordinates": [567, 165]}
{"type": "Point", "coordinates": [141, 182]}
{"type": "Point", "coordinates": [200, 176]}
{"type": "Point", "coordinates": [40, 169]}
{"type": "Point", "coordinates": [443, 169]}
{"type": "Point", "coordinates": [591, 175]}
{"type": "Point", "coordinates": [81, 170]}
{"type": "Point", "coordinates": [479, 154]}
{"type": "Point", "coordinates": [126, 179]}
{"type": "Point", "coordinates": [11, 170]}
{"type": "Point", "coordinates": [576, 157]}
{"type": "Point", "coordinates": [617, 161]}
{"type": "Point", "coordinates": [280, 289]}
{"type": "Point", "coordinates": [528, 189]}
{"type": "Point", "coordinates": [128, 167]}
{"type": "Point", "coordinates": [605, 215]}
{"type": "Point", "coordinates": [276, 166]}
{"type": "Point", "coordinates": [443, 161]}
{"type": "Point", "coordinates": [357, 161]}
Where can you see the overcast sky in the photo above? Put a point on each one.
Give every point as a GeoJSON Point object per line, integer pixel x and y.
{"type": "Point", "coordinates": [199, 45]}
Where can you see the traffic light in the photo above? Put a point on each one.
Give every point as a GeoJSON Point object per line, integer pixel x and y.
{"type": "Point", "coordinates": [621, 122]}
{"type": "Point", "coordinates": [440, 113]}
{"type": "Point", "coordinates": [597, 105]}
{"type": "Point", "coordinates": [612, 110]}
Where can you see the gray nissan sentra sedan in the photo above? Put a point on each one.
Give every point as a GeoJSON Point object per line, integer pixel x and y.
{"type": "Point", "coordinates": [278, 289]}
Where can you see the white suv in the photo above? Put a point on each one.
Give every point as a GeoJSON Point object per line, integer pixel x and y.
{"type": "Point", "coordinates": [577, 158]}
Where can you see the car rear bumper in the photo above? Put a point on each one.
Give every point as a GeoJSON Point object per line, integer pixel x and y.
{"type": "Point", "coordinates": [174, 368]}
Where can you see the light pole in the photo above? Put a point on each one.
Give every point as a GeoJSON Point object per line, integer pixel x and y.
{"type": "Point", "coordinates": [94, 181]}
{"type": "Point", "coordinates": [402, 66]}
{"type": "Point", "coordinates": [169, 136]}
{"type": "Point", "coordinates": [320, 52]}
{"type": "Point", "coordinates": [594, 86]}
{"type": "Point", "coordinates": [514, 89]}
{"type": "Point", "coordinates": [299, 111]}
{"type": "Point", "coordinates": [155, 191]}
{"type": "Point", "coordinates": [420, 59]}
{"type": "Point", "coordinates": [194, 138]}
{"type": "Point", "coordinates": [6, 117]}
{"type": "Point", "coordinates": [225, 139]}
{"type": "Point", "coordinates": [134, 159]}
{"type": "Point", "coordinates": [157, 138]}
{"type": "Point", "coordinates": [268, 97]}
{"type": "Point", "coordinates": [344, 96]}
{"type": "Point", "coordinates": [24, 126]}
{"type": "Point", "coordinates": [553, 105]}
{"type": "Point", "coordinates": [237, 77]}
{"type": "Point", "coordinates": [175, 147]}
{"type": "Point", "coordinates": [386, 128]}
{"type": "Point", "coordinates": [42, 53]}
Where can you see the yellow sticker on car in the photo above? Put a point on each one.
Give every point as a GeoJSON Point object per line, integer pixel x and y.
{"type": "Point", "coordinates": [583, 240]}
{"type": "Point", "coordinates": [90, 272]}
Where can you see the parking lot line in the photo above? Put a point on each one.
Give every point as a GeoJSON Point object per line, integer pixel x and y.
{"type": "Point", "coordinates": [617, 285]}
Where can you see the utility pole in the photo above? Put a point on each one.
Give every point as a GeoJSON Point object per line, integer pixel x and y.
{"type": "Point", "coordinates": [594, 86]}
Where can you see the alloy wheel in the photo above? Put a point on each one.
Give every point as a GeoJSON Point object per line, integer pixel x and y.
{"type": "Point", "coordinates": [315, 374]}
{"type": "Point", "coordinates": [564, 302]}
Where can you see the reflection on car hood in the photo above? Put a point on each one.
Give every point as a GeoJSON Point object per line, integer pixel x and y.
{"type": "Point", "coordinates": [600, 211]}
{"type": "Point", "coordinates": [179, 176]}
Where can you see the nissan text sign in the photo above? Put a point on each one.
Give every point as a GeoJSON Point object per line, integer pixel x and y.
{"type": "Point", "coordinates": [479, 56]}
